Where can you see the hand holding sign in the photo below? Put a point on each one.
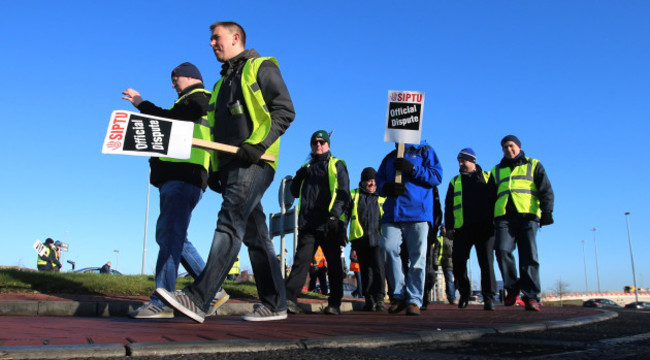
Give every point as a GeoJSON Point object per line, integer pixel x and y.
{"type": "Point", "coordinates": [137, 134]}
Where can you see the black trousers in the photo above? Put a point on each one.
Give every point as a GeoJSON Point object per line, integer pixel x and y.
{"type": "Point", "coordinates": [483, 239]}
{"type": "Point", "coordinates": [373, 277]}
{"type": "Point", "coordinates": [320, 275]}
{"type": "Point", "coordinates": [308, 242]}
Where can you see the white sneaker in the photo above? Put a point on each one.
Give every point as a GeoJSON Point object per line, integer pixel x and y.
{"type": "Point", "coordinates": [151, 311]}
{"type": "Point", "coordinates": [262, 313]}
{"type": "Point", "coordinates": [181, 302]}
{"type": "Point", "coordinates": [219, 299]}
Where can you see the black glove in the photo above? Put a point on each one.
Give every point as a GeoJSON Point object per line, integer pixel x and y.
{"type": "Point", "coordinates": [302, 173]}
{"type": "Point", "coordinates": [546, 219]}
{"type": "Point", "coordinates": [249, 154]}
{"type": "Point", "coordinates": [214, 183]}
{"type": "Point", "coordinates": [404, 165]}
{"type": "Point", "coordinates": [393, 189]}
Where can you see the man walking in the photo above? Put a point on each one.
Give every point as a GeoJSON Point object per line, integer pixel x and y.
{"type": "Point", "coordinates": [408, 215]}
{"type": "Point", "coordinates": [323, 188]}
{"type": "Point", "coordinates": [524, 203]}
{"type": "Point", "coordinates": [250, 108]}
{"type": "Point", "coordinates": [468, 213]}
{"type": "Point", "coordinates": [181, 184]}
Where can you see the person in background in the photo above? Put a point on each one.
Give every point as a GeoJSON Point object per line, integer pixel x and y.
{"type": "Point", "coordinates": [323, 187]}
{"type": "Point", "coordinates": [354, 267]}
{"type": "Point", "coordinates": [48, 261]}
{"type": "Point", "coordinates": [365, 235]}
{"type": "Point", "coordinates": [234, 270]}
{"type": "Point", "coordinates": [106, 268]}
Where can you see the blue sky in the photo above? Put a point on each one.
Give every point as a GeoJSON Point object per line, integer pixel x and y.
{"type": "Point", "coordinates": [570, 79]}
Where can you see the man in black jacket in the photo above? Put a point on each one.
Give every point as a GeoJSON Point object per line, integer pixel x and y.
{"type": "Point", "coordinates": [468, 215]}
{"type": "Point", "coordinates": [323, 187]}
{"type": "Point", "coordinates": [181, 184]}
{"type": "Point", "coordinates": [524, 203]}
{"type": "Point", "coordinates": [250, 108]}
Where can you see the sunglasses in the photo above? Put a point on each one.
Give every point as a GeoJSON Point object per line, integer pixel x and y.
{"type": "Point", "coordinates": [321, 142]}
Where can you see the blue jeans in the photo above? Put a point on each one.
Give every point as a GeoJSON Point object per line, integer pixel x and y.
{"type": "Point", "coordinates": [177, 200]}
{"type": "Point", "coordinates": [450, 290]}
{"type": "Point", "coordinates": [511, 233]}
{"type": "Point", "coordinates": [242, 219]}
{"type": "Point", "coordinates": [414, 234]}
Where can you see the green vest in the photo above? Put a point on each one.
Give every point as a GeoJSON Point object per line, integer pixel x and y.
{"type": "Point", "coordinates": [457, 184]}
{"type": "Point", "coordinates": [519, 185]}
{"type": "Point", "coordinates": [201, 131]}
{"type": "Point", "coordinates": [441, 241]}
{"type": "Point", "coordinates": [257, 109]}
{"type": "Point", "coordinates": [356, 231]}
{"type": "Point", "coordinates": [333, 182]}
{"type": "Point", "coordinates": [40, 261]}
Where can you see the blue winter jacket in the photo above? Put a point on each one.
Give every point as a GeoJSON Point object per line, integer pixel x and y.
{"type": "Point", "coordinates": [417, 202]}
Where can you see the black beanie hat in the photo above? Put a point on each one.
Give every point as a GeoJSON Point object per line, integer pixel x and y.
{"type": "Point", "coordinates": [368, 174]}
{"type": "Point", "coordinates": [512, 138]}
{"type": "Point", "coordinates": [49, 241]}
{"type": "Point", "coordinates": [187, 69]}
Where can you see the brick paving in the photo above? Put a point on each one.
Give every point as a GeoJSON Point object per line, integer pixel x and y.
{"type": "Point", "coordinates": [76, 330]}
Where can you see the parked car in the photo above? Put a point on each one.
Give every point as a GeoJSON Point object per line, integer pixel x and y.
{"type": "Point", "coordinates": [95, 270]}
{"type": "Point", "coordinates": [601, 303]}
{"type": "Point", "coordinates": [638, 305]}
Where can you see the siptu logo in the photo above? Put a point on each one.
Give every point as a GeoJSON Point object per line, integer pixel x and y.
{"type": "Point", "coordinates": [114, 145]}
{"type": "Point", "coordinates": [393, 96]}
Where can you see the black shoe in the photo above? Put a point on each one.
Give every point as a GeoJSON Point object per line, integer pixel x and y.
{"type": "Point", "coordinates": [397, 306]}
{"type": "Point", "coordinates": [380, 306]}
{"type": "Point", "coordinates": [463, 302]}
{"type": "Point", "coordinates": [424, 306]}
{"type": "Point", "coordinates": [332, 310]}
{"type": "Point", "coordinates": [293, 308]}
{"type": "Point", "coordinates": [368, 306]}
{"type": "Point", "coordinates": [488, 305]}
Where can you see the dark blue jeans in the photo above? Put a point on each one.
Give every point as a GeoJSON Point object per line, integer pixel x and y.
{"type": "Point", "coordinates": [177, 200]}
{"type": "Point", "coordinates": [242, 219]}
{"type": "Point", "coordinates": [516, 232]}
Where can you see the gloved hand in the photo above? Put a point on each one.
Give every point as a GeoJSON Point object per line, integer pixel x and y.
{"type": "Point", "coordinates": [302, 173]}
{"type": "Point", "coordinates": [249, 154]}
{"type": "Point", "coordinates": [214, 183]}
{"type": "Point", "coordinates": [394, 189]}
{"type": "Point", "coordinates": [546, 219]}
{"type": "Point", "coordinates": [404, 165]}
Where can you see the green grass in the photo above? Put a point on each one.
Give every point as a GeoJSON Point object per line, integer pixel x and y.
{"type": "Point", "coordinates": [16, 281]}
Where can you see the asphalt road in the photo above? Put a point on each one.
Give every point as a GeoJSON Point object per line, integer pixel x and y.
{"type": "Point", "coordinates": [624, 337]}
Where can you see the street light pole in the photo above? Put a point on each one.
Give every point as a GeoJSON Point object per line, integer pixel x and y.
{"type": "Point", "coordinates": [596, 252]}
{"type": "Point", "coordinates": [117, 254]}
{"type": "Point", "coordinates": [629, 239]}
{"type": "Point", "coordinates": [584, 258]}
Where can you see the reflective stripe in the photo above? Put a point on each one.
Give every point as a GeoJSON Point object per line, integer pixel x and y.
{"type": "Point", "coordinates": [457, 185]}
{"type": "Point", "coordinates": [517, 184]}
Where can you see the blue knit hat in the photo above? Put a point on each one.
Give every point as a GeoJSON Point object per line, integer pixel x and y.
{"type": "Point", "coordinates": [187, 69]}
{"type": "Point", "coordinates": [467, 154]}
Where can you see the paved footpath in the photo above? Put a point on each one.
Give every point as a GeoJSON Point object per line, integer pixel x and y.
{"type": "Point", "coordinates": [104, 331]}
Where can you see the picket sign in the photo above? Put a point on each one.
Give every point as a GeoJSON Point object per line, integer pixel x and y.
{"type": "Point", "coordinates": [39, 247]}
{"type": "Point", "coordinates": [404, 121]}
{"type": "Point", "coordinates": [131, 133]}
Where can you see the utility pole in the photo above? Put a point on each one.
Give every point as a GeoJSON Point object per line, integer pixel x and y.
{"type": "Point", "coordinates": [584, 258]}
{"type": "Point", "coordinates": [596, 252]}
{"type": "Point", "coordinates": [629, 239]}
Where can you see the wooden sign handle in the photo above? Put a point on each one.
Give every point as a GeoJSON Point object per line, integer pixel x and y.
{"type": "Point", "coordinates": [211, 145]}
{"type": "Point", "coordinates": [400, 154]}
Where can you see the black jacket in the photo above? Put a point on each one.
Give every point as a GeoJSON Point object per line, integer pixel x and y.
{"type": "Point", "coordinates": [192, 108]}
{"type": "Point", "coordinates": [478, 201]}
{"type": "Point", "coordinates": [369, 219]}
{"type": "Point", "coordinates": [315, 196]}
{"type": "Point", "coordinates": [234, 129]}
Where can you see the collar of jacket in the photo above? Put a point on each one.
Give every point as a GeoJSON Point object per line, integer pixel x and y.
{"type": "Point", "coordinates": [320, 157]}
{"type": "Point", "coordinates": [477, 173]}
{"type": "Point", "coordinates": [519, 160]}
{"type": "Point", "coordinates": [190, 88]}
{"type": "Point", "coordinates": [237, 61]}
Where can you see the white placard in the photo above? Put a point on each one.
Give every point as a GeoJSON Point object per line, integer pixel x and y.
{"type": "Point", "coordinates": [404, 116]}
{"type": "Point", "coordinates": [39, 247]}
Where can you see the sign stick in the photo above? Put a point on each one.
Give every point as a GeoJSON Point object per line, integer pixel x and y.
{"type": "Point", "coordinates": [400, 154]}
{"type": "Point", "coordinates": [210, 145]}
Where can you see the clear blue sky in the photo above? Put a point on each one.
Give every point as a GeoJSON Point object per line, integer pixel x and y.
{"type": "Point", "coordinates": [570, 79]}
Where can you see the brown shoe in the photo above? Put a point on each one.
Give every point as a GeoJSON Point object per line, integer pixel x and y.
{"type": "Point", "coordinates": [396, 306]}
{"type": "Point", "coordinates": [412, 309]}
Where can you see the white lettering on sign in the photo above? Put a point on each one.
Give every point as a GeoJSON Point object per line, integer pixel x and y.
{"type": "Point", "coordinates": [158, 136]}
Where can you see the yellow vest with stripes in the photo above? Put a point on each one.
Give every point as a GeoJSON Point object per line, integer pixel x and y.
{"type": "Point", "coordinates": [457, 185]}
{"type": "Point", "coordinates": [333, 182]}
{"type": "Point", "coordinates": [257, 109]}
{"type": "Point", "coordinates": [519, 185]}
{"type": "Point", "coordinates": [356, 230]}
{"type": "Point", "coordinates": [201, 131]}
